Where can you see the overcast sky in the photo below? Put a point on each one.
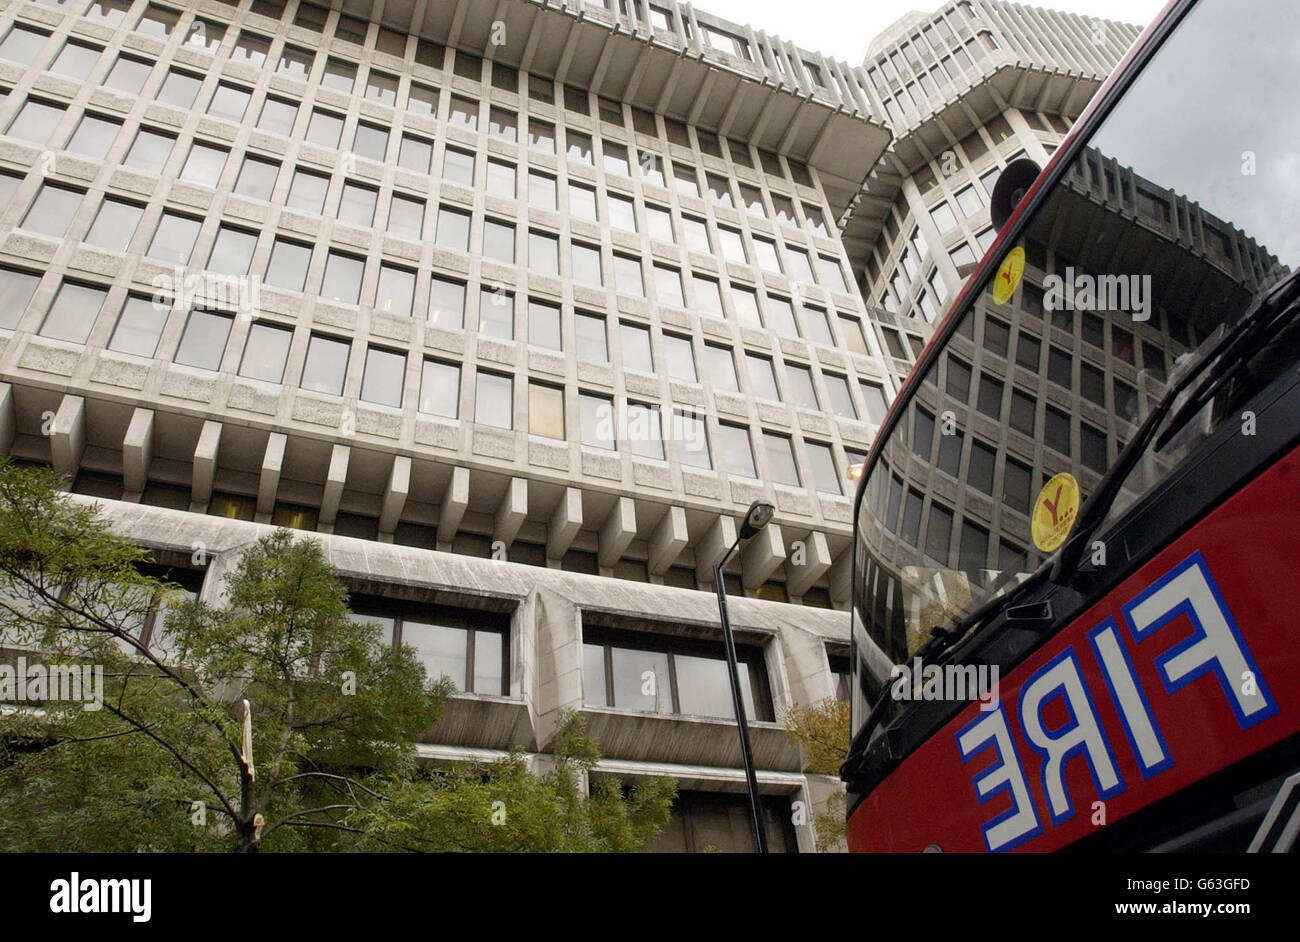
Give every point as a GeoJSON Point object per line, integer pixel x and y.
{"type": "Point", "coordinates": [843, 28]}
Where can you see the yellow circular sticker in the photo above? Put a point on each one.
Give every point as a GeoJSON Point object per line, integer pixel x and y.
{"type": "Point", "coordinates": [1008, 276]}
{"type": "Point", "coordinates": [1055, 511]}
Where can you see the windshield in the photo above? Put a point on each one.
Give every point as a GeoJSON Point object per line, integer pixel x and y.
{"type": "Point", "coordinates": [1180, 211]}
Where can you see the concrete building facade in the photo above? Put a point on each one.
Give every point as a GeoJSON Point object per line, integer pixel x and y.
{"type": "Point", "coordinates": [517, 307]}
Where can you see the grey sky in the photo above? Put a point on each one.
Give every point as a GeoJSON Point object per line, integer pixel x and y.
{"type": "Point", "coordinates": [843, 28]}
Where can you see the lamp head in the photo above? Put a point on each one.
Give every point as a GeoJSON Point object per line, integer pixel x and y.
{"type": "Point", "coordinates": [758, 516]}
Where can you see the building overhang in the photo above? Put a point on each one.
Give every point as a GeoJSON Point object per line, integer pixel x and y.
{"type": "Point", "coordinates": [659, 71]}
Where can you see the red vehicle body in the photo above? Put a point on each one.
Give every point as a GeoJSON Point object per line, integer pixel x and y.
{"type": "Point", "coordinates": [1148, 679]}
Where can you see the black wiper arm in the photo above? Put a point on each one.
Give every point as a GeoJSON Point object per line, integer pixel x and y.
{"type": "Point", "coordinates": [1282, 300]}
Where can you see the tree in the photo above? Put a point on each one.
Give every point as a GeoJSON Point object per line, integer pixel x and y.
{"type": "Point", "coordinates": [270, 722]}
{"type": "Point", "coordinates": [822, 733]}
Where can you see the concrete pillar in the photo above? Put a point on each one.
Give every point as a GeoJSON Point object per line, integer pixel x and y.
{"type": "Point", "coordinates": [761, 555]}
{"type": "Point", "coordinates": [335, 479]}
{"type": "Point", "coordinates": [205, 466]}
{"type": "Point", "coordinates": [842, 576]}
{"type": "Point", "coordinates": [617, 532]}
{"type": "Point", "coordinates": [399, 486]}
{"type": "Point", "coordinates": [713, 547]}
{"type": "Point", "coordinates": [668, 541]}
{"type": "Point", "coordinates": [137, 453]}
{"type": "Point", "coordinates": [512, 512]}
{"type": "Point", "coordinates": [806, 566]}
{"type": "Point", "coordinates": [565, 523]}
{"type": "Point", "coordinates": [8, 421]}
{"type": "Point", "coordinates": [269, 484]}
{"type": "Point", "coordinates": [454, 503]}
{"type": "Point", "coordinates": [68, 436]}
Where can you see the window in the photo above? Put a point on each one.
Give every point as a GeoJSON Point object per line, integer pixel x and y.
{"type": "Point", "coordinates": [173, 240]}
{"type": "Point", "coordinates": [324, 128]}
{"type": "Point", "coordinates": [52, 211]}
{"type": "Point", "coordinates": [1060, 366]}
{"type": "Point", "coordinates": [232, 252]}
{"type": "Point", "coordinates": [1022, 412]}
{"type": "Point", "coordinates": [697, 235]}
{"type": "Point", "coordinates": [708, 295]}
{"type": "Point", "coordinates": [295, 63]}
{"type": "Point", "coordinates": [745, 303]}
{"type": "Point", "coordinates": [204, 341]}
{"type": "Point", "coordinates": [447, 303]}
{"type": "Point", "coordinates": [423, 99]}
{"type": "Point", "coordinates": [469, 647]}
{"type": "Point", "coordinates": [496, 313]}
{"type": "Point", "coordinates": [541, 135]}
{"type": "Point", "coordinates": [381, 87]}
{"type": "Point", "coordinates": [156, 21]}
{"type": "Point", "coordinates": [800, 387]}
{"type": "Point", "coordinates": [780, 459]}
{"type": "Point", "coordinates": [139, 326]}
{"type": "Point", "coordinates": [597, 414]}
{"type": "Point", "coordinates": [405, 217]}
{"type": "Point", "coordinates": [76, 60]}
{"type": "Point", "coordinates": [307, 192]}
{"type": "Point", "coordinates": [265, 353]}
{"type": "Point", "coordinates": [544, 325]}
{"type": "Point", "coordinates": [458, 166]}
{"type": "Point", "coordinates": [357, 204]}
{"type": "Point", "coordinates": [765, 252]}
{"type": "Point", "coordinates": [494, 400]}
{"type": "Point", "coordinates": [370, 142]}
{"type": "Point", "coordinates": [93, 137]}
{"type": "Point", "coordinates": [543, 253]}
{"type": "Point", "coordinates": [877, 405]}
{"type": "Point", "coordinates": [689, 676]}
{"type": "Point", "coordinates": [545, 410]}
{"type": "Point", "coordinates": [733, 248]}
{"type": "Point", "coordinates": [692, 440]}
{"type": "Point", "coordinates": [780, 317]}
{"type": "Point", "coordinates": [685, 180]}
{"type": "Point", "coordinates": [415, 154]}
{"type": "Point", "coordinates": [762, 377]}
{"type": "Point", "coordinates": [668, 286]}
{"type": "Point", "coordinates": [737, 453]}
{"type": "Point", "coordinates": [1056, 433]}
{"type": "Point", "coordinates": [628, 279]}
{"type": "Point", "coordinates": [16, 290]}
{"type": "Point", "coordinates": [342, 280]}
{"type": "Point", "coordinates": [578, 146]}
{"type": "Point", "coordinates": [644, 431]}
{"type": "Point", "coordinates": [637, 353]}
{"type": "Point", "coordinates": [582, 202]}
{"type": "Point", "coordinates": [73, 313]}
{"type": "Point", "coordinates": [114, 225]}
{"type": "Point", "coordinates": [615, 159]}
{"type": "Point", "coordinates": [826, 475]}
{"type": "Point", "coordinates": [440, 389]}
{"type": "Point", "coordinates": [586, 264]}
{"type": "Point", "coordinates": [384, 376]}
{"type": "Point", "coordinates": [250, 48]}
{"type": "Point", "coordinates": [501, 179]}
{"type": "Point", "coordinates": [989, 399]}
{"type": "Point", "coordinates": [35, 122]}
{"type": "Point", "coordinates": [499, 241]}
{"type": "Point", "coordinates": [326, 365]}
{"type": "Point", "coordinates": [1028, 351]}
{"type": "Point", "coordinates": [622, 213]}
{"type": "Point", "coordinates": [660, 223]}
{"type": "Point", "coordinates": [395, 292]}
{"type": "Point", "coordinates": [257, 178]}
{"type": "Point", "coordinates": [22, 44]}
{"type": "Point", "coordinates": [1016, 482]}
{"type": "Point", "coordinates": [720, 368]}
{"type": "Point", "coordinates": [453, 229]}
{"type": "Point", "coordinates": [590, 338]}
{"type": "Point", "coordinates": [278, 116]}
{"type": "Point", "coordinates": [204, 165]}
{"type": "Point", "coordinates": [179, 89]}
{"type": "Point", "coordinates": [541, 191]}
{"type": "Point", "coordinates": [288, 265]}
{"type": "Point", "coordinates": [681, 358]}
{"type": "Point", "coordinates": [841, 400]}
{"type": "Point", "coordinates": [128, 75]}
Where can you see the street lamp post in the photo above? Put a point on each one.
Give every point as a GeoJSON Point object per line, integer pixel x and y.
{"type": "Point", "coordinates": [759, 514]}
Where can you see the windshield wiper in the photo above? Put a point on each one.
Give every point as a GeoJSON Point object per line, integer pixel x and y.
{"type": "Point", "coordinates": [1227, 357]}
